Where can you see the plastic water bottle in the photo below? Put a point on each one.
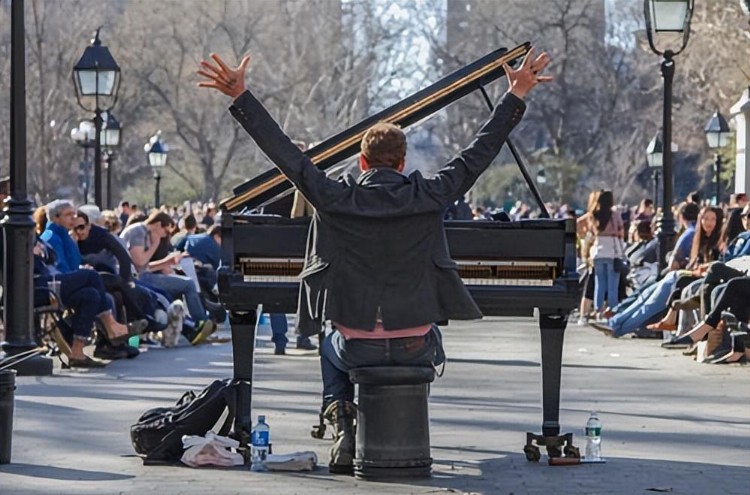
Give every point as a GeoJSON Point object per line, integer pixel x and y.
{"type": "Point", "coordinates": [593, 438]}
{"type": "Point", "coordinates": [260, 438]}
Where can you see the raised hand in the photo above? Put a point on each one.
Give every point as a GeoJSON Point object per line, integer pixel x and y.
{"type": "Point", "coordinates": [523, 79]}
{"type": "Point", "coordinates": [220, 76]}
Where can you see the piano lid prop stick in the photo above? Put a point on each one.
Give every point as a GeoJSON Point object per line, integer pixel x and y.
{"type": "Point", "coordinates": [521, 166]}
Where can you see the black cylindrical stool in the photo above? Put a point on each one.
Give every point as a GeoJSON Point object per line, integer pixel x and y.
{"type": "Point", "coordinates": [7, 398]}
{"type": "Point", "coordinates": [393, 425]}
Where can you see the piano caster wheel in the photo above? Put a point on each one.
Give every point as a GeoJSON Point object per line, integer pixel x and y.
{"type": "Point", "coordinates": [318, 431]}
{"type": "Point", "coordinates": [533, 454]}
{"type": "Point", "coordinates": [554, 451]}
{"type": "Point", "coordinates": [572, 452]}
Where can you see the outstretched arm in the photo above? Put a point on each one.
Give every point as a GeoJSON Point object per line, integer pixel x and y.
{"type": "Point", "coordinates": [250, 113]}
{"type": "Point", "coordinates": [458, 175]}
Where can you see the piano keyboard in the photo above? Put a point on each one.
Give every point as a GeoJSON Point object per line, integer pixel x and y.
{"type": "Point", "coordinates": [472, 272]}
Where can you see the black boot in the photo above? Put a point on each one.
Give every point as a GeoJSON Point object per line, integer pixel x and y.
{"type": "Point", "coordinates": [341, 415]}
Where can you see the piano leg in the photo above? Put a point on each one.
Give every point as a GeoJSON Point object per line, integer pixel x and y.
{"type": "Point", "coordinates": [552, 328]}
{"type": "Point", "coordinates": [243, 352]}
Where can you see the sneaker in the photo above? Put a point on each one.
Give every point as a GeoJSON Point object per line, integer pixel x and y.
{"type": "Point", "coordinates": [85, 362]}
{"type": "Point", "coordinates": [205, 328]}
{"type": "Point", "coordinates": [582, 322]}
{"type": "Point", "coordinates": [132, 351]}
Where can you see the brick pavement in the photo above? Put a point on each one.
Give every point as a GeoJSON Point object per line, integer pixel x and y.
{"type": "Point", "coordinates": [669, 423]}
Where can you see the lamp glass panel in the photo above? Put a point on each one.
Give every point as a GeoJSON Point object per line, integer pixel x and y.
{"type": "Point", "coordinates": [669, 15]}
{"type": "Point", "coordinates": [86, 82]}
{"type": "Point", "coordinates": [717, 139]}
{"type": "Point", "coordinates": [107, 82]}
{"type": "Point", "coordinates": [713, 139]}
{"type": "Point", "coordinates": [655, 160]}
{"type": "Point", "coordinates": [110, 137]}
{"type": "Point", "coordinates": [157, 159]}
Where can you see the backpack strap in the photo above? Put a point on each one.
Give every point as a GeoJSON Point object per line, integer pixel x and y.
{"type": "Point", "coordinates": [230, 396]}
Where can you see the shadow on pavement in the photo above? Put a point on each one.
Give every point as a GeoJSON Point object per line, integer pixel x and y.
{"type": "Point", "coordinates": [63, 474]}
{"type": "Point", "coordinates": [493, 362]}
{"type": "Point", "coordinates": [511, 473]}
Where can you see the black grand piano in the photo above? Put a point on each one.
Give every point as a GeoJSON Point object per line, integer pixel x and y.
{"type": "Point", "coordinates": [511, 268]}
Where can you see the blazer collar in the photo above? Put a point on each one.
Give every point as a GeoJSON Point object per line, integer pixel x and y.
{"type": "Point", "coordinates": [381, 175]}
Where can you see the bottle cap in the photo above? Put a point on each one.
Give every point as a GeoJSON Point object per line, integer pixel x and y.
{"type": "Point", "coordinates": [261, 418]}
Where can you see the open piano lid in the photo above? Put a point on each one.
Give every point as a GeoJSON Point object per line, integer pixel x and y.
{"type": "Point", "coordinates": [271, 184]}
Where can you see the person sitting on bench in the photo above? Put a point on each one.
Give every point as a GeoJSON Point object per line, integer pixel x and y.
{"type": "Point", "coordinates": [377, 262]}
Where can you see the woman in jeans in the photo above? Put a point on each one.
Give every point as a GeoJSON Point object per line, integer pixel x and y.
{"type": "Point", "coordinates": [606, 225]}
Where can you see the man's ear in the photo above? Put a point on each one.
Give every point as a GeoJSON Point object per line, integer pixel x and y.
{"type": "Point", "coordinates": [402, 165]}
{"type": "Point", "coordinates": [363, 165]}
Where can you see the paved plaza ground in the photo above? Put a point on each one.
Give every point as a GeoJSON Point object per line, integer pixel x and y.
{"type": "Point", "coordinates": [670, 424]}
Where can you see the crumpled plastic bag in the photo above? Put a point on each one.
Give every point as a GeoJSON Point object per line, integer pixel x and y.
{"type": "Point", "coordinates": [296, 461]}
{"type": "Point", "coordinates": [211, 450]}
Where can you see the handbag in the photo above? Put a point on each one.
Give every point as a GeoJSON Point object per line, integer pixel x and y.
{"type": "Point", "coordinates": [621, 263]}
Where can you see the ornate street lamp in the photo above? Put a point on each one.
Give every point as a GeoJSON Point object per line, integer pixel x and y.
{"type": "Point", "coordinates": [655, 157]}
{"type": "Point", "coordinates": [111, 141]}
{"type": "Point", "coordinates": [156, 152]}
{"type": "Point", "coordinates": [717, 135]}
{"type": "Point", "coordinates": [17, 224]}
{"type": "Point", "coordinates": [96, 78]}
{"type": "Point", "coordinates": [667, 17]}
{"type": "Point", "coordinates": [84, 136]}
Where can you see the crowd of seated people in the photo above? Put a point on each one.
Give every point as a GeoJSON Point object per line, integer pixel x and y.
{"type": "Point", "coordinates": [704, 286]}
{"type": "Point", "coordinates": [117, 282]}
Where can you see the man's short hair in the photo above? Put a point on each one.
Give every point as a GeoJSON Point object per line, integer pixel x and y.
{"type": "Point", "coordinates": [190, 222]}
{"type": "Point", "coordinates": [690, 211]}
{"type": "Point", "coordinates": [695, 197]}
{"type": "Point", "coordinates": [214, 230]}
{"type": "Point", "coordinates": [82, 214]}
{"type": "Point", "coordinates": [740, 197]}
{"type": "Point", "coordinates": [56, 207]}
{"type": "Point", "coordinates": [161, 218]}
{"type": "Point", "coordinates": [124, 204]}
{"type": "Point", "coordinates": [384, 145]}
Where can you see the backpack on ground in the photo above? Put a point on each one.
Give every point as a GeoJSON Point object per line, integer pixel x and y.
{"type": "Point", "coordinates": [158, 433]}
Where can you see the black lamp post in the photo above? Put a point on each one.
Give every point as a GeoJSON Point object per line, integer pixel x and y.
{"type": "Point", "coordinates": [96, 78]}
{"type": "Point", "coordinates": [655, 156]}
{"type": "Point", "coordinates": [18, 227]}
{"type": "Point", "coordinates": [717, 135]}
{"type": "Point", "coordinates": [156, 152]}
{"type": "Point", "coordinates": [111, 141]}
{"type": "Point", "coordinates": [670, 17]}
{"type": "Point", "coordinates": [84, 136]}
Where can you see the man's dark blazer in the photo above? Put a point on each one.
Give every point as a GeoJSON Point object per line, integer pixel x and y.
{"type": "Point", "coordinates": [377, 244]}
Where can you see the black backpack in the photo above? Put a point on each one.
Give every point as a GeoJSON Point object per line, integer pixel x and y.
{"type": "Point", "coordinates": [158, 433]}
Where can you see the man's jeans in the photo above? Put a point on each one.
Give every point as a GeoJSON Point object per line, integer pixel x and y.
{"type": "Point", "coordinates": [83, 290]}
{"type": "Point", "coordinates": [339, 355]}
{"type": "Point", "coordinates": [279, 328]}
{"type": "Point", "coordinates": [177, 286]}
